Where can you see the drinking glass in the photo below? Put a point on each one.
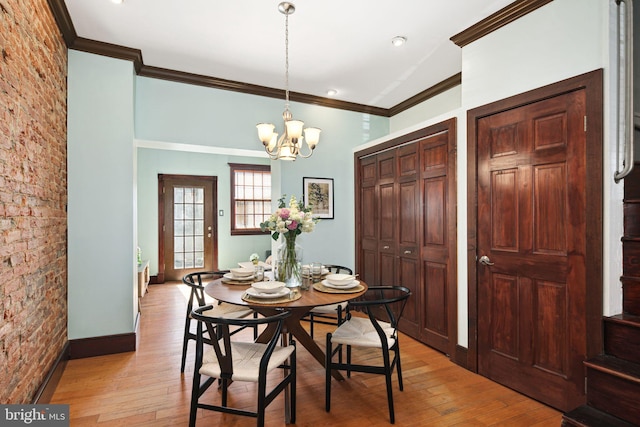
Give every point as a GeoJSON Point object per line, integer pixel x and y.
{"type": "Point", "coordinates": [258, 273]}
{"type": "Point", "coordinates": [316, 271]}
{"type": "Point", "coordinates": [306, 278]}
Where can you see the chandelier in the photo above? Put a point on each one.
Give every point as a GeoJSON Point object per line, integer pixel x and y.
{"type": "Point", "coordinates": [289, 145]}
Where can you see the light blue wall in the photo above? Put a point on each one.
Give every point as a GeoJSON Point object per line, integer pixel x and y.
{"type": "Point", "coordinates": [101, 186]}
{"type": "Point", "coordinates": [152, 162]}
{"type": "Point", "coordinates": [116, 124]}
{"type": "Point", "coordinates": [176, 113]}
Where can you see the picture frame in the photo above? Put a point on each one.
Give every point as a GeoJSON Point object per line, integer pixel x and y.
{"type": "Point", "coordinates": [318, 194]}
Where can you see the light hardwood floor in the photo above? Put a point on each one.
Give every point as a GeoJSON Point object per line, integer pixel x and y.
{"type": "Point", "coordinates": [145, 387]}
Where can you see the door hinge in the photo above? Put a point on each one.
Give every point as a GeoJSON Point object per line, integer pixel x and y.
{"type": "Point", "coordinates": [163, 189]}
{"type": "Point", "coordinates": [164, 228]}
{"type": "Point", "coordinates": [585, 123]}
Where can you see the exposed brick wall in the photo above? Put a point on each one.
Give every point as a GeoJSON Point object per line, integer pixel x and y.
{"type": "Point", "coordinates": [33, 196]}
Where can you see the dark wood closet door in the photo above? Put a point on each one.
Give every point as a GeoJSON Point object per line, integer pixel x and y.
{"type": "Point", "coordinates": [387, 225]}
{"type": "Point", "coordinates": [407, 228]}
{"type": "Point", "coordinates": [368, 222]}
{"type": "Point", "coordinates": [532, 228]}
{"type": "Point", "coordinates": [407, 252]}
{"type": "Point", "coordinates": [438, 287]}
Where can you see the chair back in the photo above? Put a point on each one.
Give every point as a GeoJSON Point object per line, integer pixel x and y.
{"type": "Point", "coordinates": [222, 346]}
{"type": "Point", "coordinates": [338, 269]}
{"type": "Point", "coordinates": [194, 281]}
{"type": "Point", "coordinates": [383, 304]}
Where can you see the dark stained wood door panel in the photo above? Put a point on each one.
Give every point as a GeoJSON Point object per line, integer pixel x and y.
{"type": "Point", "coordinates": [406, 233]}
{"type": "Point", "coordinates": [438, 228]}
{"type": "Point", "coordinates": [535, 214]}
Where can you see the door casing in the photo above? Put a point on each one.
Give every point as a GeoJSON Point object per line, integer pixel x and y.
{"type": "Point", "coordinates": [591, 83]}
{"type": "Point", "coordinates": [161, 217]}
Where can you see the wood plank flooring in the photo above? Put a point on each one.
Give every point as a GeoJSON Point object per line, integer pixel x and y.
{"type": "Point", "coordinates": [145, 387]}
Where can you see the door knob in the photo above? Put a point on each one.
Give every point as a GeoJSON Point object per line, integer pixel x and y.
{"type": "Point", "coordinates": [484, 260]}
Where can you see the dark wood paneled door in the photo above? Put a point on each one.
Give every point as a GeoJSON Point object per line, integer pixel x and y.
{"type": "Point", "coordinates": [188, 230]}
{"type": "Point", "coordinates": [406, 230]}
{"type": "Point", "coordinates": [367, 220]}
{"type": "Point", "coordinates": [387, 213]}
{"type": "Point", "coordinates": [532, 244]}
{"type": "Point", "coordinates": [438, 248]}
{"type": "Point", "coordinates": [408, 226]}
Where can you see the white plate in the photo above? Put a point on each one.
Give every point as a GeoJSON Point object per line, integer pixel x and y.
{"type": "Point", "coordinates": [348, 286]}
{"type": "Point", "coordinates": [268, 286]}
{"type": "Point", "coordinates": [230, 276]}
{"type": "Point", "coordinates": [255, 293]}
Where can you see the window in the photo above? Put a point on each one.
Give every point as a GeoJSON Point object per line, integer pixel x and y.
{"type": "Point", "coordinates": [250, 197]}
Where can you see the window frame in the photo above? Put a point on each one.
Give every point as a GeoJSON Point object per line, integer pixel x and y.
{"type": "Point", "coordinates": [233, 168]}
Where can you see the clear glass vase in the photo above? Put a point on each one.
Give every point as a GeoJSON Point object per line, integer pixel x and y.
{"type": "Point", "coordinates": [289, 261]}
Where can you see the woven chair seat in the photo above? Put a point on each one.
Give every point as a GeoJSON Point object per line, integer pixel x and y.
{"type": "Point", "coordinates": [359, 332]}
{"type": "Point", "coordinates": [229, 311]}
{"type": "Point", "coordinates": [246, 360]}
{"type": "Point", "coordinates": [329, 309]}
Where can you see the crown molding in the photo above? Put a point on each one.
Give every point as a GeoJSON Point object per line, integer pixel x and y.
{"type": "Point", "coordinates": [434, 90]}
{"type": "Point", "coordinates": [108, 49]}
{"type": "Point", "coordinates": [504, 16]}
{"type": "Point", "coordinates": [499, 19]}
{"type": "Point", "coordinates": [63, 19]}
{"type": "Point", "coordinates": [217, 83]}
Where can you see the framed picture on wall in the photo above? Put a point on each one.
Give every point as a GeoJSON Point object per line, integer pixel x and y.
{"type": "Point", "coordinates": [318, 194]}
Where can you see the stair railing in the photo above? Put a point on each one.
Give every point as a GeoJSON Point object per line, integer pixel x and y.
{"type": "Point", "coordinates": [625, 86]}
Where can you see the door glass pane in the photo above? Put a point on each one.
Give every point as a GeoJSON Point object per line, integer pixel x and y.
{"type": "Point", "coordinates": [188, 260]}
{"type": "Point", "coordinates": [188, 227]}
{"type": "Point", "coordinates": [199, 195]}
{"type": "Point", "coordinates": [198, 212]}
{"type": "Point", "coordinates": [178, 228]}
{"type": "Point", "coordinates": [199, 261]}
{"type": "Point", "coordinates": [178, 194]}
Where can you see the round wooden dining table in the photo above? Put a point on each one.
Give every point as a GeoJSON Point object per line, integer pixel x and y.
{"type": "Point", "coordinates": [298, 306]}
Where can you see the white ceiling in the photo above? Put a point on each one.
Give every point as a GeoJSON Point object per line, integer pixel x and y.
{"type": "Point", "coordinates": [341, 45]}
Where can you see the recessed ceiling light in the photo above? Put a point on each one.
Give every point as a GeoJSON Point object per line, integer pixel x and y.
{"type": "Point", "coordinates": [398, 41]}
{"type": "Point", "coordinates": [117, 1]}
{"type": "Point", "coordinates": [332, 92]}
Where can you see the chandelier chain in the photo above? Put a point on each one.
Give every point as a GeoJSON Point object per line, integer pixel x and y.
{"type": "Point", "coordinates": [286, 60]}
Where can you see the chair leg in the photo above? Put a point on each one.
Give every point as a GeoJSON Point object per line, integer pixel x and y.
{"type": "Point", "coordinates": [327, 364]}
{"type": "Point", "coordinates": [399, 367]}
{"type": "Point", "coordinates": [187, 330]}
{"type": "Point", "coordinates": [348, 361]}
{"type": "Point", "coordinates": [261, 402]}
{"type": "Point", "coordinates": [185, 341]}
{"type": "Point", "coordinates": [387, 376]}
{"type": "Point", "coordinates": [392, 418]}
{"type": "Point", "coordinates": [311, 324]}
{"type": "Point", "coordinates": [195, 393]}
{"type": "Point", "coordinates": [292, 387]}
{"type": "Point", "coordinates": [225, 386]}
